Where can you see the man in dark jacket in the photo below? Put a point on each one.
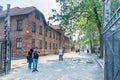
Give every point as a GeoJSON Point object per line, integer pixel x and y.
{"type": "Point", "coordinates": [35, 59]}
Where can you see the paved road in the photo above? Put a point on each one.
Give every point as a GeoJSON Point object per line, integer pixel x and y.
{"type": "Point", "coordinates": [74, 67]}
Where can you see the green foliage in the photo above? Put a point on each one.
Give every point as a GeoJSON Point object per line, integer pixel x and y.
{"type": "Point", "coordinates": [82, 15]}
{"type": "Point", "coordinates": [114, 5]}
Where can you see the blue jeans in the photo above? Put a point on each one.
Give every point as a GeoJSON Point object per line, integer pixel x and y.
{"type": "Point", "coordinates": [30, 64]}
{"type": "Point", "coordinates": [35, 64]}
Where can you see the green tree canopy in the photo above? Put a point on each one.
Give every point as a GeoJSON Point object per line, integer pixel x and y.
{"type": "Point", "coordinates": [82, 15]}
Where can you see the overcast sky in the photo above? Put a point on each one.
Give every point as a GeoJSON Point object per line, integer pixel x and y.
{"type": "Point", "coordinates": [44, 6]}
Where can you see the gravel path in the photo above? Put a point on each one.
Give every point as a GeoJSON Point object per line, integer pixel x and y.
{"type": "Point", "coordinates": [74, 67]}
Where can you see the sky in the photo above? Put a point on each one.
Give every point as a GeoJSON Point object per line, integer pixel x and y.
{"type": "Point", "coordinates": [44, 6]}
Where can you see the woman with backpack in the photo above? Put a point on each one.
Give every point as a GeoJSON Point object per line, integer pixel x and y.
{"type": "Point", "coordinates": [29, 59]}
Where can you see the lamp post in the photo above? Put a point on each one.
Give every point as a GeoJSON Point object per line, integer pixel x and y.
{"type": "Point", "coordinates": [7, 41]}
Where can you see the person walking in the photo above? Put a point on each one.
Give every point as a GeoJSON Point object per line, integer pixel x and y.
{"type": "Point", "coordinates": [35, 59]}
{"type": "Point", "coordinates": [29, 59]}
{"type": "Point", "coordinates": [60, 53]}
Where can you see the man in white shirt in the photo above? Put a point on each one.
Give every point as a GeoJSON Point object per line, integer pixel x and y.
{"type": "Point", "coordinates": [60, 52]}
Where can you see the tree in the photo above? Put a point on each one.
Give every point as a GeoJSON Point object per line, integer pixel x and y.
{"type": "Point", "coordinates": [82, 15]}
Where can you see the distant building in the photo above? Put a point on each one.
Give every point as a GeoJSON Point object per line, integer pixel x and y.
{"type": "Point", "coordinates": [29, 29]}
{"type": "Point", "coordinates": [64, 39]}
{"type": "Point", "coordinates": [76, 46]}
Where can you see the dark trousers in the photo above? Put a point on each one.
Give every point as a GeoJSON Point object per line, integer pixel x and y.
{"type": "Point", "coordinates": [60, 57]}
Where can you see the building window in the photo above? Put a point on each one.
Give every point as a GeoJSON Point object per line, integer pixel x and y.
{"type": "Point", "coordinates": [56, 46]}
{"type": "Point", "coordinates": [56, 36]}
{"type": "Point", "coordinates": [50, 45]}
{"type": "Point", "coordinates": [40, 30]}
{"type": "Point", "coordinates": [40, 44]}
{"type": "Point", "coordinates": [19, 43]}
{"type": "Point", "coordinates": [45, 44]}
{"type": "Point", "coordinates": [46, 32]}
{"type": "Point", "coordinates": [19, 25]}
{"type": "Point", "coordinates": [37, 17]}
{"type": "Point", "coordinates": [33, 43]}
{"type": "Point", "coordinates": [50, 33]}
{"type": "Point", "coordinates": [53, 45]}
{"type": "Point", "coordinates": [33, 27]}
{"type": "Point", "coordinates": [53, 35]}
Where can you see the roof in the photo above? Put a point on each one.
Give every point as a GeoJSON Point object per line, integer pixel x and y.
{"type": "Point", "coordinates": [67, 35]}
{"type": "Point", "coordinates": [54, 29]}
{"type": "Point", "coordinates": [55, 26]}
{"type": "Point", "coordinates": [17, 11]}
{"type": "Point", "coordinates": [21, 11]}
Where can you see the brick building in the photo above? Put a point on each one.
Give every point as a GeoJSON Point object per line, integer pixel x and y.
{"type": "Point", "coordinates": [64, 39]}
{"type": "Point", "coordinates": [29, 29]}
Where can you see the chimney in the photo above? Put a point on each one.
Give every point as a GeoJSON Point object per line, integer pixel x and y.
{"type": "Point", "coordinates": [1, 8]}
{"type": "Point", "coordinates": [48, 23]}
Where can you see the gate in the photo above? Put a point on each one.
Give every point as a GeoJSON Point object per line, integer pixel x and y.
{"type": "Point", "coordinates": [5, 45]}
{"type": "Point", "coordinates": [111, 38]}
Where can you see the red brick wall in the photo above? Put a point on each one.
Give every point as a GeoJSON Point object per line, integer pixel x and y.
{"type": "Point", "coordinates": [1, 28]}
{"type": "Point", "coordinates": [52, 40]}
{"type": "Point", "coordinates": [27, 35]}
{"type": "Point", "coordinates": [20, 34]}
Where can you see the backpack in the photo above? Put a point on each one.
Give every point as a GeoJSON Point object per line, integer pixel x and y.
{"type": "Point", "coordinates": [28, 58]}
